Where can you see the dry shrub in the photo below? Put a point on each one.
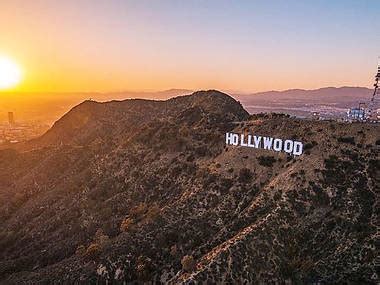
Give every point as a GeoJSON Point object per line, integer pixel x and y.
{"type": "Point", "coordinates": [140, 215]}
{"type": "Point", "coordinates": [144, 268]}
{"type": "Point", "coordinates": [139, 210]}
{"type": "Point", "coordinates": [100, 237]}
{"type": "Point", "coordinates": [93, 251]}
{"type": "Point", "coordinates": [173, 250]}
{"type": "Point", "coordinates": [188, 263]}
{"type": "Point", "coordinates": [126, 224]}
{"type": "Point", "coordinates": [81, 250]}
{"type": "Point", "coordinates": [153, 213]}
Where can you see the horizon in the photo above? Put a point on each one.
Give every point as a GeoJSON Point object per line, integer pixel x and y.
{"type": "Point", "coordinates": [48, 107]}
{"type": "Point", "coordinates": [247, 47]}
{"type": "Point", "coordinates": [232, 92]}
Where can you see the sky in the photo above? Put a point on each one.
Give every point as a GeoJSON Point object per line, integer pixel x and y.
{"type": "Point", "coordinates": [243, 46]}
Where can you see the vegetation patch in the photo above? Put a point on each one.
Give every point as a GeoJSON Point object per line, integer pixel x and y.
{"type": "Point", "coordinates": [349, 140]}
{"type": "Point", "coordinates": [266, 160]}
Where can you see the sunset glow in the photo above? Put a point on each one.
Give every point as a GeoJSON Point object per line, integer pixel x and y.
{"type": "Point", "coordinates": [10, 73]}
{"type": "Point", "coordinates": [156, 45]}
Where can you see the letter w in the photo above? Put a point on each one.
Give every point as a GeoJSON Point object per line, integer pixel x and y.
{"type": "Point", "coordinates": [268, 143]}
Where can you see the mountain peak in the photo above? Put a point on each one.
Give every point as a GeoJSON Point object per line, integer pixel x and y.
{"type": "Point", "coordinates": [91, 120]}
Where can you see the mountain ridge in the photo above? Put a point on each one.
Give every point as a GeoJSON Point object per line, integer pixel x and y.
{"type": "Point", "coordinates": [88, 117]}
{"type": "Point", "coordinates": [329, 102]}
{"type": "Point", "coordinates": [323, 91]}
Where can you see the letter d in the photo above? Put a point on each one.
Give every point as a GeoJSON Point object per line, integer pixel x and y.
{"type": "Point", "coordinates": [297, 148]}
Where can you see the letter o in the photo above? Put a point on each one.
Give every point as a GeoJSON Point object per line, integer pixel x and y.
{"type": "Point", "coordinates": [288, 146]}
{"type": "Point", "coordinates": [277, 144]}
{"type": "Point", "coordinates": [235, 139]}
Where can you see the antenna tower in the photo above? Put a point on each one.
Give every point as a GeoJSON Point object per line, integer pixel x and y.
{"type": "Point", "coordinates": [376, 92]}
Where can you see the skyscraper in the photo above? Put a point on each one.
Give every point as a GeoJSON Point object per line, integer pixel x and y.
{"type": "Point", "coordinates": [11, 118]}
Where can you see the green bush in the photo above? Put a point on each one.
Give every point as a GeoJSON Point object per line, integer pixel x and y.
{"type": "Point", "coordinates": [350, 140]}
{"type": "Point", "coordinates": [245, 175]}
{"type": "Point", "coordinates": [266, 161]}
{"type": "Point", "coordinates": [308, 146]}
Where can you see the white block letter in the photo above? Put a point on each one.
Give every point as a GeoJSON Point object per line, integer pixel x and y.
{"type": "Point", "coordinates": [235, 139]}
{"type": "Point", "coordinates": [257, 141]}
{"type": "Point", "coordinates": [228, 138]}
{"type": "Point", "coordinates": [242, 143]}
{"type": "Point", "coordinates": [277, 144]}
{"type": "Point", "coordinates": [268, 143]}
{"type": "Point", "coordinates": [288, 146]}
{"type": "Point", "coordinates": [298, 147]}
{"type": "Point", "coordinates": [250, 141]}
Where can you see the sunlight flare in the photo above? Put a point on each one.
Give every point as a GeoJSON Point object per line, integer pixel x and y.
{"type": "Point", "coordinates": [10, 73]}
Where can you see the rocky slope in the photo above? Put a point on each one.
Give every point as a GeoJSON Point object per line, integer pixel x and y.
{"type": "Point", "coordinates": [142, 191]}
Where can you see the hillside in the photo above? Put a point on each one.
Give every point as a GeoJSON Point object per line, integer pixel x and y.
{"type": "Point", "coordinates": [141, 190]}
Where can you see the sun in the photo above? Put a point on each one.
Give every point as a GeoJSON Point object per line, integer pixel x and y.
{"type": "Point", "coordinates": [10, 73]}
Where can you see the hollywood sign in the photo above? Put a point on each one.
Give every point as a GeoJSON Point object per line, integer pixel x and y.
{"type": "Point", "coordinates": [288, 146]}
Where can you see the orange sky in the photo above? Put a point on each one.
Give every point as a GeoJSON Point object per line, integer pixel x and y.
{"type": "Point", "coordinates": [144, 45]}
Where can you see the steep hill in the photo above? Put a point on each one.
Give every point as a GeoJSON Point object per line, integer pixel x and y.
{"type": "Point", "coordinates": [92, 121]}
{"type": "Point", "coordinates": [142, 190]}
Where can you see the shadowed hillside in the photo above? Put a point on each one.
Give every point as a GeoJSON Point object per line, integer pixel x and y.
{"type": "Point", "coordinates": [140, 190]}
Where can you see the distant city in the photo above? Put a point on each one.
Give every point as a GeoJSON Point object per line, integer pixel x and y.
{"type": "Point", "coordinates": [13, 131]}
